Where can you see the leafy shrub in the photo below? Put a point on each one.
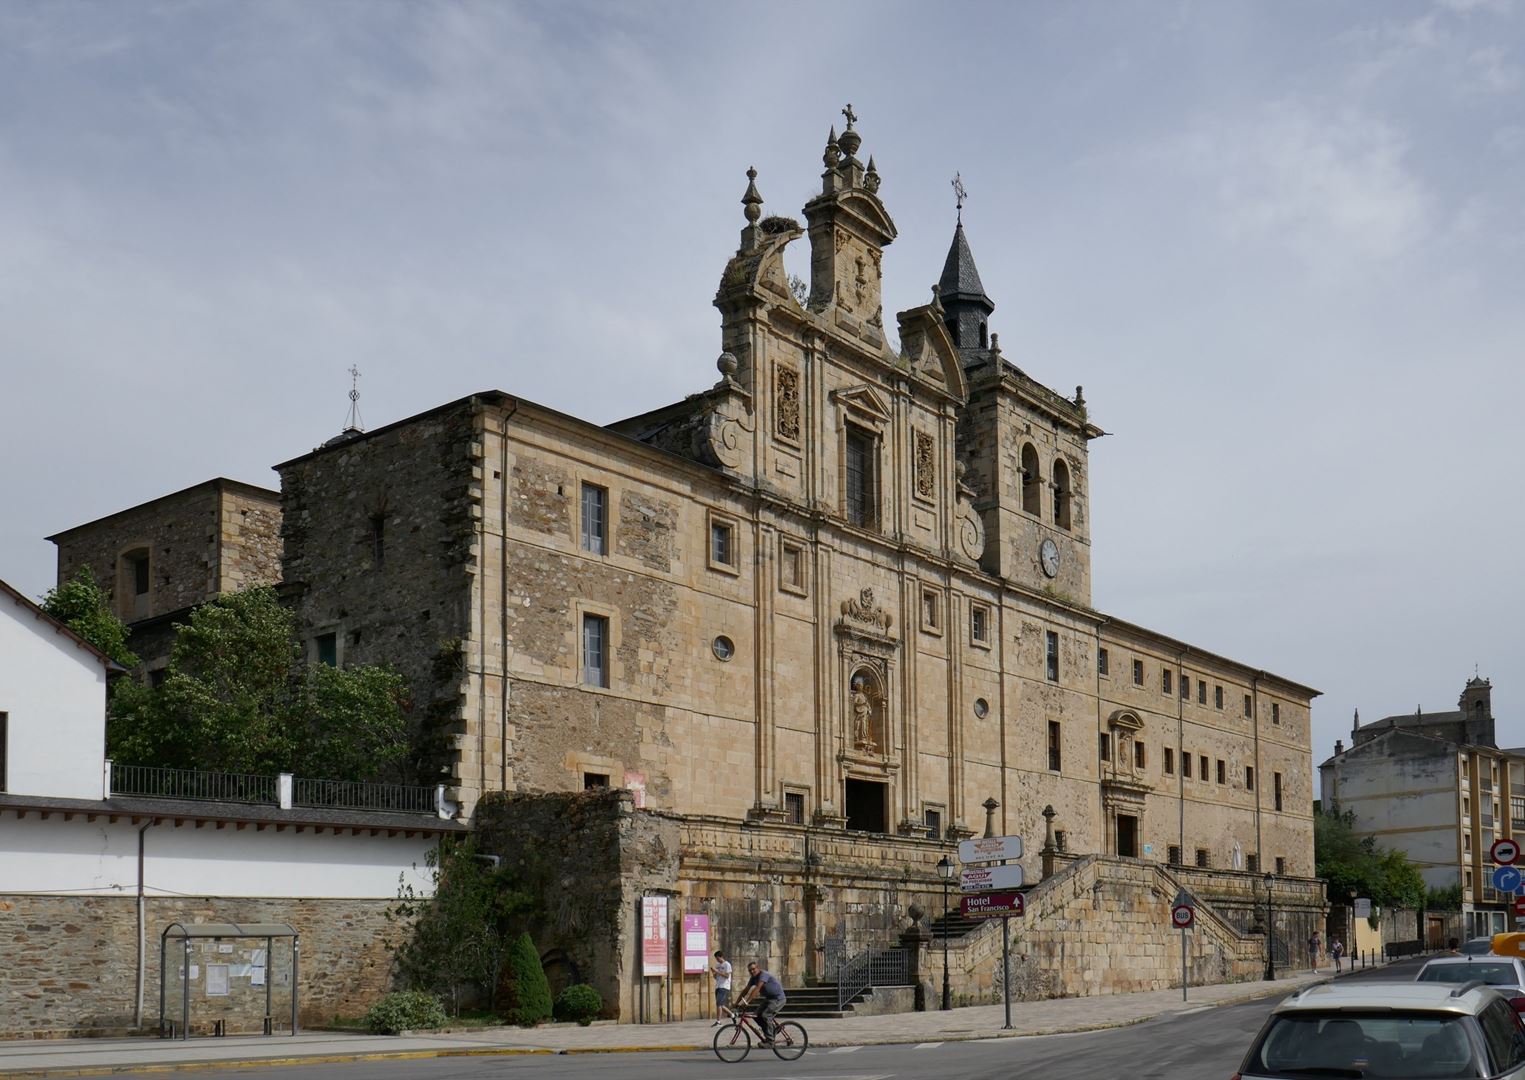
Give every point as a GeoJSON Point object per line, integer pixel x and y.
{"type": "Point", "coordinates": [410, 1010]}
{"type": "Point", "coordinates": [580, 1002]}
{"type": "Point", "coordinates": [529, 995]}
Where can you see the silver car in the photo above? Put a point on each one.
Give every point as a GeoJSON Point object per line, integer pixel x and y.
{"type": "Point", "coordinates": [1422, 1031]}
{"type": "Point", "coordinates": [1506, 974]}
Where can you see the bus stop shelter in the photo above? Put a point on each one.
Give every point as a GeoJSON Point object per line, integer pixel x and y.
{"type": "Point", "coordinates": [182, 969]}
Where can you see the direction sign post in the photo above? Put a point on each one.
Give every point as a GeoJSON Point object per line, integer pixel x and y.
{"type": "Point", "coordinates": [990, 849]}
{"type": "Point", "coordinates": [985, 878]}
{"type": "Point", "coordinates": [1505, 851]}
{"type": "Point", "coordinates": [1506, 879]}
{"type": "Point", "coordinates": [992, 905]}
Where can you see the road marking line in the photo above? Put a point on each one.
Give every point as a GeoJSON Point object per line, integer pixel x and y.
{"type": "Point", "coordinates": [928, 1046]}
{"type": "Point", "coordinates": [1199, 1008]}
{"type": "Point", "coordinates": [846, 1049]}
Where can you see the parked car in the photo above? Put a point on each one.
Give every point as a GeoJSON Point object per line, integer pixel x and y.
{"type": "Point", "coordinates": [1403, 1031]}
{"type": "Point", "coordinates": [1504, 973]}
{"type": "Point", "coordinates": [1478, 946]}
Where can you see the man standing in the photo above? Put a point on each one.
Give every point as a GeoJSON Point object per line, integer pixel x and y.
{"type": "Point", "coordinates": [721, 970]}
{"type": "Point", "coordinates": [1313, 944]}
{"type": "Point", "coordinates": [773, 999]}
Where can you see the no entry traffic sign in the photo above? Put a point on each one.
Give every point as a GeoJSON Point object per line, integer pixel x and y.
{"type": "Point", "coordinates": [1182, 916]}
{"type": "Point", "coordinates": [1505, 851]}
{"type": "Point", "coordinates": [1519, 905]}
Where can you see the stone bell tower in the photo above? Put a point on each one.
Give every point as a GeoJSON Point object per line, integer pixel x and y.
{"type": "Point", "coordinates": [849, 230]}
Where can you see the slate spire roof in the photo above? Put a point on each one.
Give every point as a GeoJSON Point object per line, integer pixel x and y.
{"type": "Point", "coordinates": [961, 280]}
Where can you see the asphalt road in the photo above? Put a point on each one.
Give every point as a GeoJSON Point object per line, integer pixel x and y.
{"type": "Point", "coordinates": [1204, 1044]}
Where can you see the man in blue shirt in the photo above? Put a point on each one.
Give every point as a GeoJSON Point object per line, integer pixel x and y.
{"type": "Point", "coordinates": [766, 984]}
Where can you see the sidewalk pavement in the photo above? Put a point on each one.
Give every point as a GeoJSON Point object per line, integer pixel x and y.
{"type": "Point", "coordinates": [94, 1057]}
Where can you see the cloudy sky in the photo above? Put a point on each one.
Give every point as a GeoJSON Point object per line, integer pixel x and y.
{"type": "Point", "coordinates": [1280, 244]}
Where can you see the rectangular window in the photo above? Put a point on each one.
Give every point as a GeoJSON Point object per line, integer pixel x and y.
{"type": "Point", "coordinates": [327, 649]}
{"type": "Point", "coordinates": [595, 650]}
{"type": "Point", "coordinates": [931, 612]}
{"type": "Point", "coordinates": [1061, 840]}
{"type": "Point", "coordinates": [591, 780]}
{"type": "Point", "coordinates": [1173, 854]}
{"type": "Point", "coordinates": [1276, 789]}
{"type": "Point", "coordinates": [1170, 761]}
{"type": "Point", "coordinates": [794, 807]}
{"type": "Point", "coordinates": [791, 566]}
{"type": "Point", "coordinates": [1252, 863]}
{"type": "Point", "coordinates": [1201, 692]}
{"type": "Point", "coordinates": [979, 624]}
{"type": "Point", "coordinates": [1185, 687]}
{"type": "Point", "coordinates": [595, 519]}
{"type": "Point", "coordinates": [722, 544]}
{"type": "Point", "coordinates": [1101, 661]}
{"type": "Point", "coordinates": [860, 480]}
{"type": "Point", "coordinates": [1053, 656]}
{"type": "Point", "coordinates": [1275, 713]}
{"type": "Point", "coordinates": [1138, 754]}
{"type": "Point", "coordinates": [1281, 866]}
{"type": "Point", "coordinates": [1249, 778]}
{"type": "Point", "coordinates": [1138, 673]}
{"type": "Point", "coordinates": [1204, 859]}
{"type": "Point", "coordinates": [1053, 745]}
{"type": "Point", "coordinates": [1165, 684]}
{"type": "Point", "coordinates": [1222, 771]}
{"type": "Point", "coordinates": [1202, 775]}
{"type": "Point", "coordinates": [1249, 708]}
{"type": "Point", "coordinates": [1217, 697]}
{"type": "Point", "coordinates": [1104, 742]}
{"type": "Point", "coordinates": [140, 583]}
{"type": "Point", "coordinates": [378, 539]}
{"type": "Point", "coordinates": [934, 821]}
{"type": "Point", "coordinates": [1186, 766]}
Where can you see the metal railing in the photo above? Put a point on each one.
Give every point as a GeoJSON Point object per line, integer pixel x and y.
{"type": "Point", "coordinates": [870, 968]}
{"type": "Point", "coordinates": [191, 784]}
{"type": "Point", "coordinates": [352, 795]}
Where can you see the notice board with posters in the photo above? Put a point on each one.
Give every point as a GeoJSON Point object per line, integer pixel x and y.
{"type": "Point", "coordinates": [696, 944]}
{"type": "Point", "coordinates": [655, 937]}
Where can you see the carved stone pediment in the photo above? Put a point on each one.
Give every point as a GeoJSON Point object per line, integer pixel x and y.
{"type": "Point", "coordinates": [865, 403]}
{"type": "Point", "coordinates": [1125, 720]}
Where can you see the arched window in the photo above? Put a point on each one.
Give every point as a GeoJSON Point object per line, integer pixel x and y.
{"type": "Point", "coordinates": [1032, 481]}
{"type": "Point", "coordinates": [984, 335]}
{"type": "Point", "coordinates": [1061, 494]}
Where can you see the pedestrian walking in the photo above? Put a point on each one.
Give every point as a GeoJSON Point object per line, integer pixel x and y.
{"type": "Point", "coordinates": [1336, 951]}
{"type": "Point", "coordinates": [721, 969]}
{"type": "Point", "coordinates": [1313, 947]}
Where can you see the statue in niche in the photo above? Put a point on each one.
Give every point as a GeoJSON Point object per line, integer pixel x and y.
{"type": "Point", "coordinates": [864, 704]}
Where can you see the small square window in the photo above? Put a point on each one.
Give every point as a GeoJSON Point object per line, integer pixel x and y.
{"type": "Point", "coordinates": [1218, 697]}
{"type": "Point", "coordinates": [593, 780]}
{"type": "Point", "coordinates": [1052, 657]}
{"type": "Point", "coordinates": [794, 807]}
{"type": "Point", "coordinates": [723, 552]}
{"type": "Point", "coordinates": [595, 519]}
{"type": "Point", "coordinates": [979, 624]}
{"type": "Point", "coordinates": [1169, 760]}
{"type": "Point", "coordinates": [1204, 858]}
{"type": "Point", "coordinates": [1222, 771]}
{"type": "Point", "coordinates": [1101, 661]}
{"type": "Point", "coordinates": [931, 611]}
{"type": "Point", "coordinates": [1165, 684]}
{"type": "Point", "coordinates": [1173, 855]}
{"type": "Point", "coordinates": [1138, 673]}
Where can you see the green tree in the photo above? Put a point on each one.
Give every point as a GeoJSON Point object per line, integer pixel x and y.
{"type": "Point", "coordinates": [529, 993]}
{"type": "Point", "coordinates": [238, 698]}
{"type": "Point", "coordinates": [1349, 862]}
{"type": "Point", "coordinates": [460, 934]}
{"type": "Point", "coordinates": [82, 605]}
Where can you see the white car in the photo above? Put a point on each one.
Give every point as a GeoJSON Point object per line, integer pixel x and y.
{"type": "Point", "coordinates": [1403, 1031]}
{"type": "Point", "coordinates": [1506, 974]}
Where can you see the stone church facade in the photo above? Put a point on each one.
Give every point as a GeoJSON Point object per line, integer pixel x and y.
{"type": "Point", "coordinates": [845, 586]}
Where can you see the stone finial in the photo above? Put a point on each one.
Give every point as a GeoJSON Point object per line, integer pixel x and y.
{"type": "Point", "coordinates": [995, 347]}
{"type": "Point", "coordinates": [833, 155]}
{"type": "Point", "coordinates": [871, 178]}
{"type": "Point", "coordinates": [937, 299]}
{"type": "Point", "coordinates": [1080, 397]}
{"type": "Point", "coordinates": [959, 469]}
{"type": "Point", "coordinates": [991, 806]}
{"type": "Point", "coordinates": [727, 365]}
{"type": "Point", "coordinates": [752, 201]}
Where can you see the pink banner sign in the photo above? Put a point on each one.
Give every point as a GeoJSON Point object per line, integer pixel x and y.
{"type": "Point", "coordinates": [696, 944]}
{"type": "Point", "coordinates": [654, 936]}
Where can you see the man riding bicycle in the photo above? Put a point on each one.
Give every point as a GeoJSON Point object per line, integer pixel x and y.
{"type": "Point", "coordinates": [766, 984]}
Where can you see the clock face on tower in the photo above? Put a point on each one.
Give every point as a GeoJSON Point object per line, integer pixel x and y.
{"type": "Point", "coordinates": [1048, 557]}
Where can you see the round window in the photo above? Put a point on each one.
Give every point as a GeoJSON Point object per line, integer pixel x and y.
{"type": "Point", "coordinates": [981, 707]}
{"type": "Point", "coordinates": [723, 647]}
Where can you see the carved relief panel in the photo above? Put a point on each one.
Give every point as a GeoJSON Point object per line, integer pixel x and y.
{"type": "Point", "coordinates": [786, 404]}
{"type": "Point", "coordinates": [925, 465]}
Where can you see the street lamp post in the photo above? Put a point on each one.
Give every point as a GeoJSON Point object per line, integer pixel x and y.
{"type": "Point", "coordinates": [945, 871]}
{"type": "Point", "coordinates": [1350, 930]}
{"type": "Point", "coordinates": [1270, 931]}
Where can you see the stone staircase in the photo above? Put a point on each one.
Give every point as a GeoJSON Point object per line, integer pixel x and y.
{"type": "Point", "coordinates": [819, 1002]}
{"type": "Point", "coordinates": [954, 925]}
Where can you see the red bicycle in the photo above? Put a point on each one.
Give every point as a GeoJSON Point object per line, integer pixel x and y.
{"type": "Point", "coordinates": [733, 1041]}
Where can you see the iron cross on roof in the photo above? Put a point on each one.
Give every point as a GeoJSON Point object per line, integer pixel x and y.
{"type": "Point", "coordinates": [848, 112]}
{"type": "Point", "coordinates": [961, 193]}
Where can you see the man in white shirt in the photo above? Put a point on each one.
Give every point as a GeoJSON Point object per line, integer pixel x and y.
{"type": "Point", "coordinates": [721, 969]}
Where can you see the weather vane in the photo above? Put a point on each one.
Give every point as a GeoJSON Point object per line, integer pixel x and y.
{"type": "Point", "coordinates": [961, 193]}
{"type": "Point", "coordinates": [848, 112]}
{"type": "Point", "coordinates": [354, 400]}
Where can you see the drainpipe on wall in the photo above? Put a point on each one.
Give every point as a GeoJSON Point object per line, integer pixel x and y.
{"type": "Point", "coordinates": [1181, 755]}
{"type": "Point", "coordinates": [137, 1015]}
{"type": "Point", "coordinates": [503, 593]}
